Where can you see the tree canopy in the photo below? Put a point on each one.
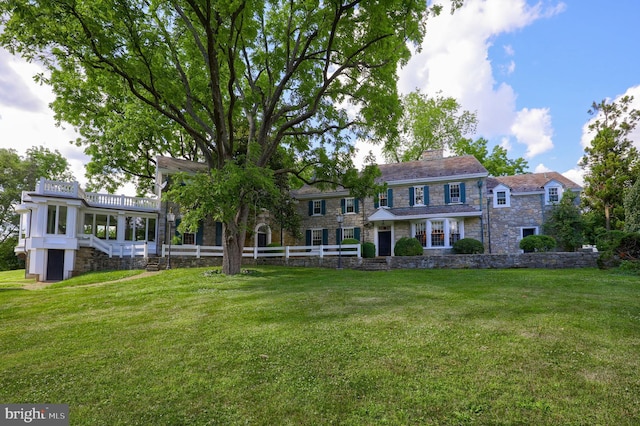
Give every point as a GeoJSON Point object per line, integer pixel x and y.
{"type": "Point", "coordinates": [611, 162]}
{"type": "Point", "coordinates": [233, 83]}
{"type": "Point", "coordinates": [427, 123]}
{"type": "Point", "coordinates": [497, 162]}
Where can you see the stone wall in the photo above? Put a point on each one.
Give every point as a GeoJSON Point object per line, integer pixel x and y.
{"type": "Point", "coordinates": [97, 261]}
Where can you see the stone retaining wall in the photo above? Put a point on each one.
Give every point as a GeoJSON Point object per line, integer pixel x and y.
{"type": "Point", "coordinates": [98, 261]}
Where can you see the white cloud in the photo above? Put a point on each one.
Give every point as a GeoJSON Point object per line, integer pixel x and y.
{"type": "Point", "coordinates": [30, 123]}
{"type": "Point", "coordinates": [576, 174]}
{"type": "Point", "coordinates": [541, 168]}
{"type": "Point", "coordinates": [455, 60]}
{"type": "Point", "coordinates": [532, 127]}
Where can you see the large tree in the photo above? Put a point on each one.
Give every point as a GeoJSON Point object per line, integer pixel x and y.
{"type": "Point", "coordinates": [19, 174]}
{"type": "Point", "coordinates": [244, 81]}
{"type": "Point", "coordinates": [497, 162]}
{"type": "Point", "coordinates": [427, 123]}
{"type": "Point", "coordinates": [611, 161]}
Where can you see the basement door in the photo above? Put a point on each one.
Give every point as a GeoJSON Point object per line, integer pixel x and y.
{"type": "Point", "coordinates": [55, 265]}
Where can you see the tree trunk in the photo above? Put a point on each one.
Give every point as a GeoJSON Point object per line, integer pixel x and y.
{"type": "Point", "coordinates": [233, 242]}
{"type": "Point", "coordinates": [607, 218]}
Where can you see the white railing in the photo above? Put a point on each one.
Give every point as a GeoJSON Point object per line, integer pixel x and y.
{"type": "Point", "coordinates": [118, 249]}
{"type": "Point", "coordinates": [260, 252]}
{"type": "Point", "coordinates": [72, 189]}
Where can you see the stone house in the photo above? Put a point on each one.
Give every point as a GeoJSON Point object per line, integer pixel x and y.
{"type": "Point", "coordinates": [437, 200]}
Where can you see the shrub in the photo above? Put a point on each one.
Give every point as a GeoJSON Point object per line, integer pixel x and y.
{"type": "Point", "coordinates": [368, 250]}
{"type": "Point", "coordinates": [468, 246]}
{"type": "Point", "coordinates": [612, 248]}
{"type": "Point", "coordinates": [537, 243]}
{"type": "Point", "coordinates": [275, 245]}
{"type": "Point", "coordinates": [408, 247]}
{"type": "Point", "coordinates": [349, 241]}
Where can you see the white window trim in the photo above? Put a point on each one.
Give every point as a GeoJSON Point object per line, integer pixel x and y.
{"type": "Point", "coordinates": [381, 196]}
{"type": "Point", "coordinates": [459, 200]}
{"type": "Point", "coordinates": [320, 230]}
{"type": "Point", "coordinates": [507, 191]}
{"type": "Point", "coordinates": [314, 207]}
{"type": "Point", "coordinates": [447, 231]}
{"type": "Point", "coordinates": [547, 190]}
{"type": "Point", "coordinates": [353, 205]}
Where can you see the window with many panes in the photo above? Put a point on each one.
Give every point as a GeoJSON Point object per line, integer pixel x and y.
{"type": "Point", "coordinates": [316, 237]}
{"type": "Point", "coordinates": [317, 207]}
{"type": "Point", "coordinates": [501, 198]}
{"type": "Point", "coordinates": [454, 232]}
{"type": "Point", "coordinates": [348, 233]}
{"type": "Point", "coordinates": [437, 233]}
{"type": "Point", "coordinates": [382, 199]}
{"type": "Point", "coordinates": [554, 196]}
{"type": "Point", "coordinates": [418, 195]}
{"type": "Point", "coordinates": [349, 205]}
{"type": "Point", "coordinates": [454, 193]}
{"type": "Point", "coordinates": [421, 233]}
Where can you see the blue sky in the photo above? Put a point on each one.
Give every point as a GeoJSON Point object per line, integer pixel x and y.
{"type": "Point", "coordinates": [529, 69]}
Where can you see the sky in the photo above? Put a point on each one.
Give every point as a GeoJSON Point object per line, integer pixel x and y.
{"type": "Point", "coordinates": [529, 69]}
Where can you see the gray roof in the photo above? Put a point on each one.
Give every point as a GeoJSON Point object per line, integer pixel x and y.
{"type": "Point", "coordinates": [531, 182]}
{"type": "Point", "coordinates": [432, 210]}
{"type": "Point", "coordinates": [430, 169]}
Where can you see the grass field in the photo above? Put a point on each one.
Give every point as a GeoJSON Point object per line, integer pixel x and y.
{"type": "Point", "coordinates": [313, 347]}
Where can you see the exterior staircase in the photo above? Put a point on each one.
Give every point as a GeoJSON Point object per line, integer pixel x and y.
{"type": "Point", "coordinates": [153, 264]}
{"type": "Point", "coordinates": [375, 264]}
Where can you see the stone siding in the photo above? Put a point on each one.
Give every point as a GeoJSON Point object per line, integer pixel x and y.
{"type": "Point", "coordinates": [506, 223]}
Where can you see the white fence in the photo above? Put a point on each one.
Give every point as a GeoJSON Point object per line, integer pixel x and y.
{"type": "Point", "coordinates": [257, 252]}
{"type": "Point", "coordinates": [117, 249]}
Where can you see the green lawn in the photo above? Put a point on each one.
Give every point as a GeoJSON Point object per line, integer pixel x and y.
{"type": "Point", "coordinates": [314, 347]}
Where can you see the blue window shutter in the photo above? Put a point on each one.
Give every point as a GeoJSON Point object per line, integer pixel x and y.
{"type": "Point", "coordinates": [307, 237]}
{"type": "Point", "coordinates": [356, 233]}
{"type": "Point", "coordinates": [356, 205]}
{"type": "Point", "coordinates": [325, 236]}
{"type": "Point", "coordinates": [447, 196]}
{"type": "Point", "coordinates": [199, 235]}
{"type": "Point", "coordinates": [218, 233]}
{"type": "Point", "coordinates": [323, 208]}
{"type": "Point", "coordinates": [342, 205]}
{"type": "Point", "coordinates": [426, 195]}
{"type": "Point", "coordinates": [376, 202]}
{"type": "Point", "coordinates": [411, 196]}
{"type": "Point", "coordinates": [310, 208]}
{"type": "Point", "coordinates": [463, 193]}
{"type": "Point", "coordinates": [338, 237]}
{"type": "Point", "coordinates": [390, 197]}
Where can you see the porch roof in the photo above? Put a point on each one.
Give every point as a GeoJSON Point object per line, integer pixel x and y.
{"type": "Point", "coordinates": [424, 212]}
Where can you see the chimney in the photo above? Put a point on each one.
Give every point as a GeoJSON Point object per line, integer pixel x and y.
{"type": "Point", "coordinates": [434, 154]}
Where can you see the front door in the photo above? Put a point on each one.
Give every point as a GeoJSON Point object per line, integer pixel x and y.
{"type": "Point", "coordinates": [55, 265]}
{"type": "Point", "coordinates": [384, 243]}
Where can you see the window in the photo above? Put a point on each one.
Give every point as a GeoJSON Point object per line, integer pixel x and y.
{"type": "Point", "coordinates": [501, 198]}
{"type": "Point", "coordinates": [418, 195]}
{"type": "Point", "coordinates": [437, 233]}
{"type": "Point", "coordinates": [57, 220]}
{"type": "Point", "coordinates": [316, 237]}
{"type": "Point", "coordinates": [316, 208]}
{"type": "Point", "coordinates": [188, 238]}
{"type": "Point", "coordinates": [553, 192]}
{"type": "Point", "coordinates": [349, 205]}
{"type": "Point", "coordinates": [139, 229]}
{"type": "Point", "coordinates": [106, 226]}
{"type": "Point", "coordinates": [421, 233]}
{"type": "Point", "coordinates": [348, 233]}
{"type": "Point", "coordinates": [382, 199]}
{"type": "Point", "coordinates": [553, 195]}
{"type": "Point", "coordinates": [454, 193]}
{"type": "Point", "coordinates": [454, 232]}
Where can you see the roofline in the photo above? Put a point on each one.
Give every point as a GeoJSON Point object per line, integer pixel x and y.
{"type": "Point", "coordinates": [450, 178]}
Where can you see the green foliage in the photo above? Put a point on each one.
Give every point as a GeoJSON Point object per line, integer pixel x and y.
{"type": "Point", "coordinates": [632, 208]}
{"type": "Point", "coordinates": [611, 162]}
{"type": "Point", "coordinates": [407, 246]}
{"type": "Point", "coordinates": [234, 84]}
{"type": "Point", "coordinates": [427, 124]}
{"type": "Point", "coordinates": [630, 267]}
{"type": "Point", "coordinates": [565, 223]}
{"type": "Point", "coordinates": [537, 243]}
{"type": "Point", "coordinates": [497, 163]}
{"type": "Point", "coordinates": [468, 246]}
{"type": "Point", "coordinates": [368, 250]}
{"type": "Point", "coordinates": [8, 259]}
{"type": "Point", "coordinates": [617, 246]}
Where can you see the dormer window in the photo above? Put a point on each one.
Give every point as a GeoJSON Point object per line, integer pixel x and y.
{"type": "Point", "coordinates": [553, 192]}
{"type": "Point", "coordinates": [501, 197]}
